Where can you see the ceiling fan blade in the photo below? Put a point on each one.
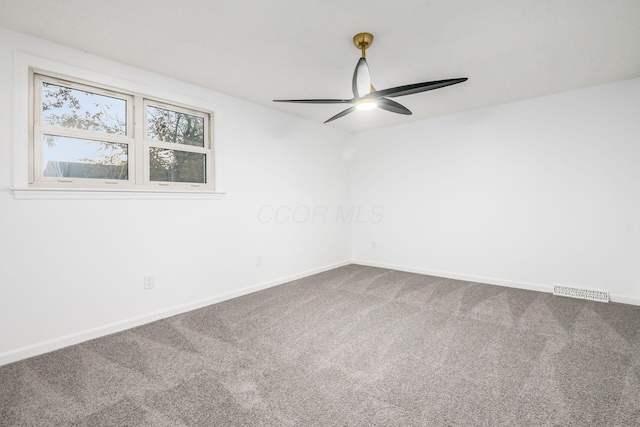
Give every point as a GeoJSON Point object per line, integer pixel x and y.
{"type": "Point", "coordinates": [393, 106]}
{"type": "Point", "coordinates": [342, 114]}
{"type": "Point", "coordinates": [415, 88]}
{"type": "Point", "coordinates": [316, 101]}
{"type": "Point", "coordinates": [361, 79]}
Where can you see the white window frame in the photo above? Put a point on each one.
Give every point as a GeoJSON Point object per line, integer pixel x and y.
{"type": "Point", "coordinates": [28, 182]}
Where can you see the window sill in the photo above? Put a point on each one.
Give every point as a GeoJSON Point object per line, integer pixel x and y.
{"type": "Point", "coordinates": [32, 193]}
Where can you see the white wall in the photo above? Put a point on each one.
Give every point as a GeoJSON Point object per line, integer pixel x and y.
{"type": "Point", "coordinates": [527, 194]}
{"type": "Point", "coordinates": [73, 269]}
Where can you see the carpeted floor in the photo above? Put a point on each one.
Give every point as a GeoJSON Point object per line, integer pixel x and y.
{"type": "Point", "coordinates": [355, 346]}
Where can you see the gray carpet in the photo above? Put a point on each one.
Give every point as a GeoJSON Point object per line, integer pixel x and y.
{"type": "Point", "coordinates": [355, 346]}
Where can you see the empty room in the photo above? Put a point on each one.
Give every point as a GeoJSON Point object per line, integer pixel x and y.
{"type": "Point", "coordinates": [305, 213]}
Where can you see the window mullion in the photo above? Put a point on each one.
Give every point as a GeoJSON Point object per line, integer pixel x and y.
{"type": "Point", "coordinates": [140, 161]}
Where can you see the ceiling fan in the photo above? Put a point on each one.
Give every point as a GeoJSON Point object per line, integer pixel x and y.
{"type": "Point", "coordinates": [365, 96]}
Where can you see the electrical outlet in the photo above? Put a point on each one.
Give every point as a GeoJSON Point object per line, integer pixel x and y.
{"type": "Point", "coordinates": [373, 245]}
{"type": "Point", "coordinates": [149, 282]}
{"type": "Point", "coordinates": [258, 260]}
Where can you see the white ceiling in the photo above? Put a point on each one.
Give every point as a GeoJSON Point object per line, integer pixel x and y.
{"type": "Point", "coordinates": [261, 50]}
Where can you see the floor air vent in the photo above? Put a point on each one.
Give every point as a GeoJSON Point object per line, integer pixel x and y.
{"type": "Point", "coordinates": [568, 291]}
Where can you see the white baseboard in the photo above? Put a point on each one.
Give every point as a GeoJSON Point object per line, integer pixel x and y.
{"type": "Point", "coordinates": [89, 334]}
{"type": "Point", "coordinates": [623, 299]}
{"type": "Point", "coordinates": [480, 279]}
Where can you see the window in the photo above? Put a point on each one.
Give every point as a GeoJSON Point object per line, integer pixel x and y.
{"type": "Point", "coordinates": [88, 136]}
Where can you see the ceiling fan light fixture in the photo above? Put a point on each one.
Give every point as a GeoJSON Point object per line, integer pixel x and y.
{"type": "Point", "coordinates": [366, 104]}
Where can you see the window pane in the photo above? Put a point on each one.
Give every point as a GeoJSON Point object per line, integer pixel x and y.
{"type": "Point", "coordinates": [77, 109]}
{"type": "Point", "coordinates": [84, 158]}
{"type": "Point", "coordinates": [177, 166]}
{"type": "Point", "coordinates": [171, 126]}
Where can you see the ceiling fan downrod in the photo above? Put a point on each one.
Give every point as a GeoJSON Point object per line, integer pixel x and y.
{"type": "Point", "coordinates": [362, 42]}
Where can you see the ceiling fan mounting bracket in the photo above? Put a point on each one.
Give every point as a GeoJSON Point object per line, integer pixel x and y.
{"type": "Point", "coordinates": [362, 41]}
